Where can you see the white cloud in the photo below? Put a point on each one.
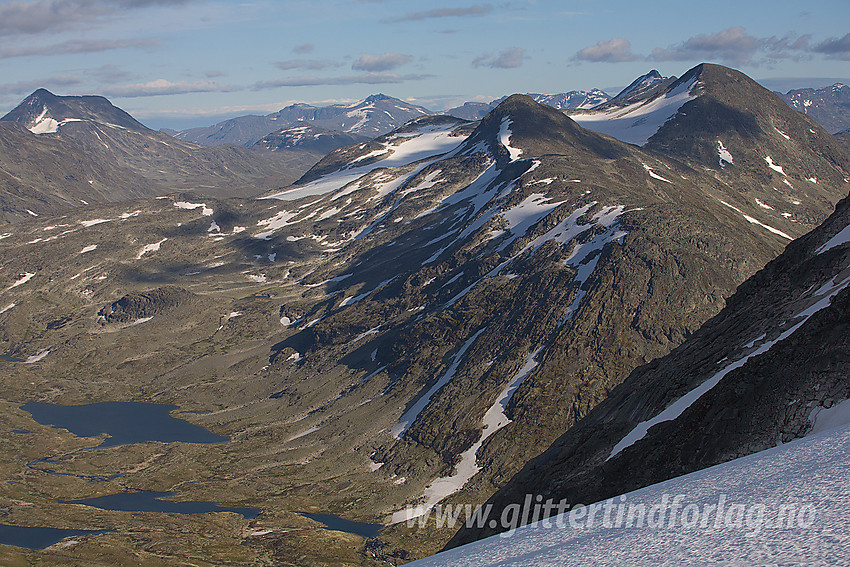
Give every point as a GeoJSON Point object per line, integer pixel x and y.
{"type": "Point", "coordinates": [614, 50]}
{"type": "Point", "coordinates": [161, 87]}
{"type": "Point", "coordinates": [508, 59]}
{"type": "Point", "coordinates": [383, 62]}
{"type": "Point", "coordinates": [474, 10]}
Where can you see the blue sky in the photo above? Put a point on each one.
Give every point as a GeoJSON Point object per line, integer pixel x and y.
{"type": "Point", "coordinates": [192, 62]}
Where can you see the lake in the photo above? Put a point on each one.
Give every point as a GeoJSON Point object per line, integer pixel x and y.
{"type": "Point", "coordinates": [333, 522]}
{"type": "Point", "coordinates": [124, 422]}
{"type": "Point", "coordinates": [150, 501]}
{"type": "Point", "coordinates": [38, 538]}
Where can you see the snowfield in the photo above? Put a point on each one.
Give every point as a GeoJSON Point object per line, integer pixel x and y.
{"type": "Point", "coordinates": [637, 123]}
{"type": "Point", "coordinates": [400, 150]}
{"type": "Point", "coordinates": [803, 482]}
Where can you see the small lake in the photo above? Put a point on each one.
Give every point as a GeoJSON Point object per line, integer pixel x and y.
{"type": "Point", "coordinates": [150, 501]}
{"type": "Point", "coordinates": [124, 422]}
{"type": "Point", "coordinates": [338, 524]}
{"type": "Point", "coordinates": [38, 538]}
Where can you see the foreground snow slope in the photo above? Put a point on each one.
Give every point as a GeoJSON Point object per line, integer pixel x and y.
{"type": "Point", "coordinates": [809, 475]}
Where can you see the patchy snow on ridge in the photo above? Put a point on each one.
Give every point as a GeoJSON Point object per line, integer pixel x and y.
{"type": "Point", "coordinates": [410, 415]}
{"type": "Point", "coordinates": [842, 237]}
{"type": "Point", "coordinates": [402, 149]}
{"type": "Point", "coordinates": [494, 420]}
{"type": "Point", "coordinates": [752, 220]}
{"type": "Point", "coordinates": [823, 298]}
{"type": "Point", "coordinates": [637, 123]}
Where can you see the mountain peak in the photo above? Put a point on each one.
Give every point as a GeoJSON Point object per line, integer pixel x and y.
{"type": "Point", "coordinates": [538, 129]}
{"type": "Point", "coordinates": [43, 112]}
{"type": "Point", "coordinates": [641, 84]}
{"type": "Point", "coordinates": [377, 97]}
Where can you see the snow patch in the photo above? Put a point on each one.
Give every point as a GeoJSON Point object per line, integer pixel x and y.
{"type": "Point", "coordinates": [826, 419]}
{"type": "Point", "coordinates": [842, 237]}
{"type": "Point", "coordinates": [724, 155]}
{"type": "Point", "coordinates": [206, 211]}
{"type": "Point", "coordinates": [752, 220]}
{"type": "Point", "coordinates": [773, 166]}
{"type": "Point", "coordinates": [150, 248]}
{"type": "Point", "coordinates": [23, 279]}
{"type": "Point", "coordinates": [36, 357]}
{"type": "Point", "coordinates": [505, 138]}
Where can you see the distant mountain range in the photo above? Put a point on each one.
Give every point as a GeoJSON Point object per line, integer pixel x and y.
{"type": "Point", "coordinates": [58, 152]}
{"type": "Point", "coordinates": [829, 106]}
{"type": "Point", "coordinates": [376, 115]}
{"type": "Point", "coordinates": [334, 126]}
{"type": "Point", "coordinates": [561, 101]}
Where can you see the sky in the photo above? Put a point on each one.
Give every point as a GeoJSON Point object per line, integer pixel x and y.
{"type": "Point", "coordinates": [183, 63]}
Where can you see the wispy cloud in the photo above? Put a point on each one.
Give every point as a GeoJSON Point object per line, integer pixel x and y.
{"type": "Point", "coordinates": [734, 46]}
{"type": "Point", "coordinates": [508, 59]}
{"type": "Point", "coordinates": [26, 87]}
{"type": "Point", "coordinates": [309, 64]}
{"type": "Point", "coordinates": [838, 48]}
{"type": "Point", "coordinates": [384, 62]}
{"type": "Point", "coordinates": [474, 10]}
{"type": "Point", "coordinates": [160, 87]}
{"type": "Point", "coordinates": [110, 74]}
{"type": "Point", "coordinates": [615, 50]}
{"type": "Point", "coordinates": [78, 46]}
{"type": "Point", "coordinates": [365, 79]}
{"type": "Point", "coordinates": [304, 48]}
{"type": "Point", "coordinates": [19, 17]}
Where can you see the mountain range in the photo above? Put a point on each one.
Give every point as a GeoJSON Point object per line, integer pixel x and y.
{"type": "Point", "coordinates": [453, 311]}
{"type": "Point", "coordinates": [829, 106]}
{"type": "Point", "coordinates": [60, 152]}
{"type": "Point", "coordinates": [376, 115]}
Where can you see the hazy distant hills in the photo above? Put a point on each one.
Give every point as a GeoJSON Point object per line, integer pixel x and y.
{"type": "Point", "coordinates": [65, 151]}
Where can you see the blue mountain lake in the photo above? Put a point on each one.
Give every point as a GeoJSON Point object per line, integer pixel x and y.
{"type": "Point", "coordinates": [150, 501]}
{"type": "Point", "coordinates": [38, 538]}
{"type": "Point", "coordinates": [124, 422]}
{"type": "Point", "coordinates": [338, 524]}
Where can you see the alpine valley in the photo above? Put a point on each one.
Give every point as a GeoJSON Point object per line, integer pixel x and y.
{"type": "Point", "coordinates": [570, 296]}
